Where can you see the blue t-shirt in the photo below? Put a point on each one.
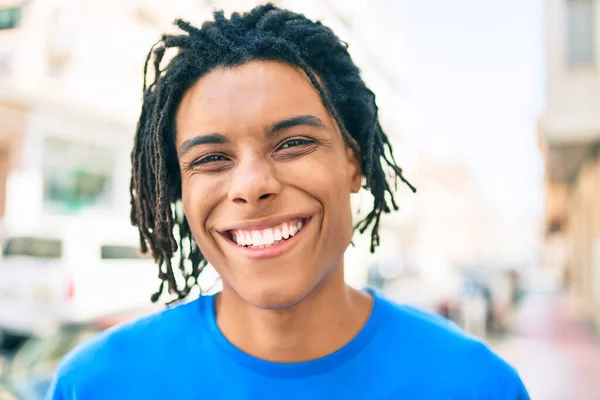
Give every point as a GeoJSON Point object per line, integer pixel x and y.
{"type": "Point", "coordinates": [180, 353]}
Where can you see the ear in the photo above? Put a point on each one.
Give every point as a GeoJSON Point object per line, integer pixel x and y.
{"type": "Point", "coordinates": [354, 168]}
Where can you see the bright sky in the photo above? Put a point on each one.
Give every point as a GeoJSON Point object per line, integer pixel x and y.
{"type": "Point", "coordinates": [474, 90]}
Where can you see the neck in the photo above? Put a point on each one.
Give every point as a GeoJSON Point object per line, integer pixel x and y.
{"type": "Point", "coordinates": [318, 325]}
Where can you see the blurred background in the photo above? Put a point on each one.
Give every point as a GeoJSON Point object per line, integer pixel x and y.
{"type": "Point", "coordinates": [494, 112]}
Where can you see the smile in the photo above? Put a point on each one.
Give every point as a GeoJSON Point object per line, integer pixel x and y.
{"type": "Point", "coordinates": [267, 237]}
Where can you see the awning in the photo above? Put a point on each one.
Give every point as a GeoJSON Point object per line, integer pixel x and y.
{"type": "Point", "coordinates": [564, 159]}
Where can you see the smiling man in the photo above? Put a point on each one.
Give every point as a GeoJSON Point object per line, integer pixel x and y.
{"type": "Point", "coordinates": [250, 142]}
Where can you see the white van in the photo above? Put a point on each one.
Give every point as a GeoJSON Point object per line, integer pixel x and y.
{"type": "Point", "coordinates": [70, 275]}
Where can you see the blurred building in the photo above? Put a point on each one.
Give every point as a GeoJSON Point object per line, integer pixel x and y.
{"type": "Point", "coordinates": [569, 132]}
{"type": "Point", "coordinates": [67, 107]}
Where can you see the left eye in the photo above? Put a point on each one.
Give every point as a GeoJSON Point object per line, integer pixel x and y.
{"type": "Point", "coordinates": [295, 143]}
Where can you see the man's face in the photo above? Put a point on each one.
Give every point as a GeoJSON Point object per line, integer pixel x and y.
{"type": "Point", "coordinates": [266, 181]}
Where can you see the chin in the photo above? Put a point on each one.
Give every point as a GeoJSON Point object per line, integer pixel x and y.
{"type": "Point", "coordinates": [277, 298]}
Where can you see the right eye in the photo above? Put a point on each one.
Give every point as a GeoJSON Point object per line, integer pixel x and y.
{"type": "Point", "coordinates": [211, 158]}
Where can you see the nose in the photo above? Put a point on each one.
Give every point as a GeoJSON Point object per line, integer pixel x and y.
{"type": "Point", "coordinates": [253, 183]}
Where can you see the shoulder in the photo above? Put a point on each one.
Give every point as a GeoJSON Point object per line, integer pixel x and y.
{"type": "Point", "coordinates": [125, 346]}
{"type": "Point", "coordinates": [453, 357]}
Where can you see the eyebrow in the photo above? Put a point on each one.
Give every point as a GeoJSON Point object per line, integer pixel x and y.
{"type": "Point", "coordinates": [300, 120]}
{"type": "Point", "coordinates": [217, 138]}
{"type": "Point", "coordinates": [213, 138]}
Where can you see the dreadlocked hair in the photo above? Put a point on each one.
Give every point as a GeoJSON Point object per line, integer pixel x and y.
{"type": "Point", "coordinates": [264, 33]}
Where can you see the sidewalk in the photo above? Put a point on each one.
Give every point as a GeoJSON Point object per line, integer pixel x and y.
{"type": "Point", "coordinates": [554, 350]}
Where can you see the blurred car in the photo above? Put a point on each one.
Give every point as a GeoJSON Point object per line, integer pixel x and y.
{"type": "Point", "coordinates": [501, 289]}
{"type": "Point", "coordinates": [29, 374]}
{"type": "Point", "coordinates": [47, 278]}
{"type": "Point", "coordinates": [6, 392]}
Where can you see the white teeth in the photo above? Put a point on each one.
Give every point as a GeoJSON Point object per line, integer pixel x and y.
{"type": "Point", "coordinates": [285, 231]}
{"type": "Point", "coordinates": [295, 228]}
{"type": "Point", "coordinates": [268, 236]}
{"type": "Point", "coordinates": [257, 239]}
{"type": "Point", "coordinates": [240, 238]}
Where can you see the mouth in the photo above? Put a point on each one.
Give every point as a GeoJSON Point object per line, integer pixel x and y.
{"type": "Point", "coordinates": [258, 239]}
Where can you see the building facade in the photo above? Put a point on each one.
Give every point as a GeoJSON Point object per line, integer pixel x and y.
{"type": "Point", "coordinates": [569, 132]}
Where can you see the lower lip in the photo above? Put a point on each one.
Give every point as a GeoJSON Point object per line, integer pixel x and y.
{"type": "Point", "coordinates": [271, 251]}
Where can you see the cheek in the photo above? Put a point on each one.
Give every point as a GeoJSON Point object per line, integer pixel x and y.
{"type": "Point", "coordinates": [339, 197]}
{"type": "Point", "coordinates": [330, 187]}
{"type": "Point", "coordinates": [341, 211]}
{"type": "Point", "coordinates": [199, 195]}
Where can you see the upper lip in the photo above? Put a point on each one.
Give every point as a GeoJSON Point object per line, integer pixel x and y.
{"type": "Point", "coordinates": [262, 223]}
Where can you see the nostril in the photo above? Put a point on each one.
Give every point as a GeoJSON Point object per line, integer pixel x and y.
{"type": "Point", "coordinates": [251, 199]}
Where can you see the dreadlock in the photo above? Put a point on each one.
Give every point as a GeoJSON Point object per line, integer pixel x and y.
{"type": "Point", "coordinates": [264, 33]}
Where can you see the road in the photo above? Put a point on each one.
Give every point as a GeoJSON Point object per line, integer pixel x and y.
{"type": "Point", "coordinates": [555, 351]}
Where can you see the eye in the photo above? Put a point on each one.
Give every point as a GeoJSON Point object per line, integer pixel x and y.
{"type": "Point", "coordinates": [209, 159]}
{"type": "Point", "coordinates": [296, 142]}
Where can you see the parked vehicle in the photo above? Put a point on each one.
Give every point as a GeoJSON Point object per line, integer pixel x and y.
{"type": "Point", "coordinates": [29, 375]}
{"type": "Point", "coordinates": [7, 392]}
{"type": "Point", "coordinates": [68, 275]}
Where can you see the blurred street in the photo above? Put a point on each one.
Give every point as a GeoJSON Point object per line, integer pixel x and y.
{"type": "Point", "coordinates": [553, 348]}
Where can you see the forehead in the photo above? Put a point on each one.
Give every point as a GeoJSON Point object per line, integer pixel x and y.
{"type": "Point", "coordinates": [257, 92]}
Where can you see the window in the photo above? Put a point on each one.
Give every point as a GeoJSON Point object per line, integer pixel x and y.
{"type": "Point", "coordinates": [581, 32]}
{"type": "Point", "coordinates": [76, 176]}
{"type": "Point", "coordinates": [9, 17]}
{"type": "Point", "coordinates": [33, 247]}
{"type": "Point", "coordinates": [113, 252]}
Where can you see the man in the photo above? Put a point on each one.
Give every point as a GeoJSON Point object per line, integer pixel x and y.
{"type": "Point", "coordinates": [249, 145]}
